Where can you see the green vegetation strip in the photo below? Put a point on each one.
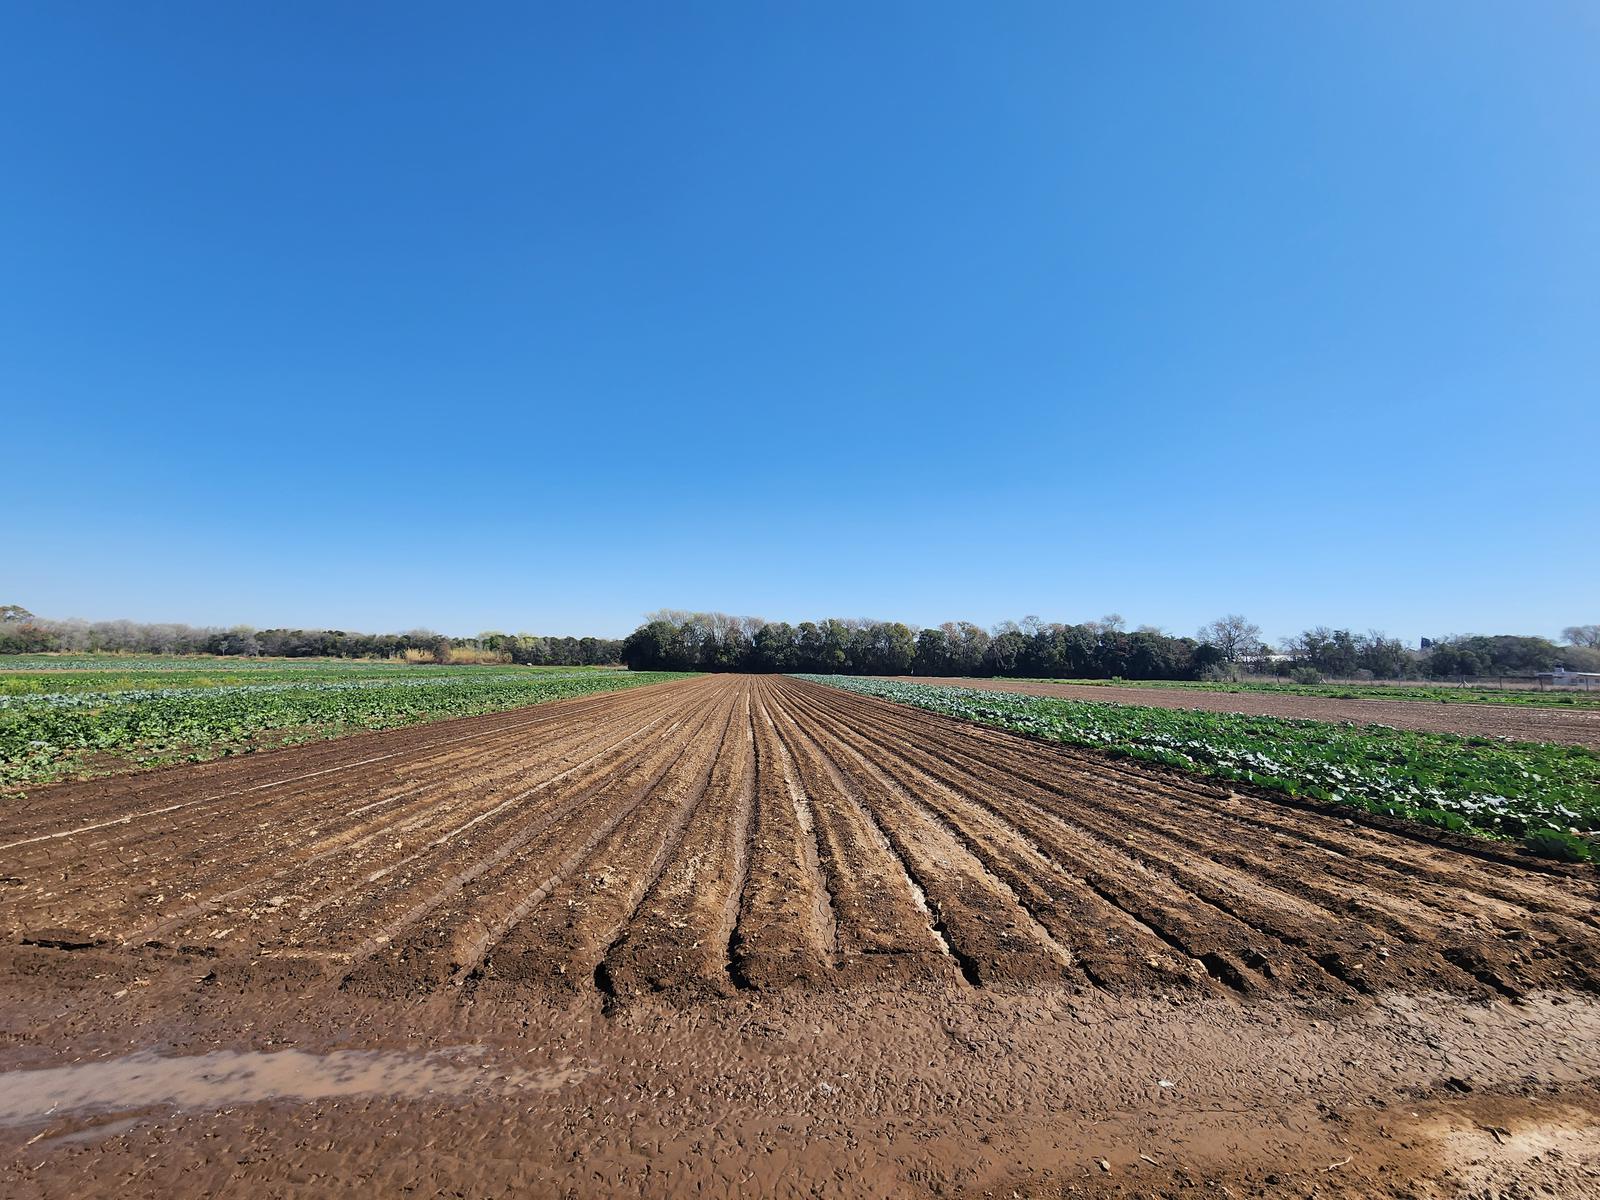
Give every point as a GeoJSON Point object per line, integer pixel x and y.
{"type": "Point", "coordinates": [1492, 787]}
{"type": "Point", "coordinates": [126, 674]}
{"type": "Point", "coordinates": [73, 732]}
{"type": "Point", "coordinates": [1442, 692]}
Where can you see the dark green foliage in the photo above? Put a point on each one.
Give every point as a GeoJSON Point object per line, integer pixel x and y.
{"type": "Point", "coordinates": [1503, 655]}
{"type": "Point", "coordinates": [1454, 822]}
{"type": "Point", "coordinates": [714, 642]}
{"type": "Point", "coordinates": [1559, 845]}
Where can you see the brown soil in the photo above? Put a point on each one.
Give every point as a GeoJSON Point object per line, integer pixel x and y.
{"type": "Point", "coordinates": [1577, 727]}
{"type": "Point", "coordinates": [735, 936]}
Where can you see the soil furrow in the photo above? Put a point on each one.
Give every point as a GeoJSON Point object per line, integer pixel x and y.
{"type": "Point", "coordinates": [786, 933]}
{"type": "Point", "coordinates": [448, 934]}
{"type": "Point", "coordinates": [886, 930]}
{"type": "Point", "coordinates": [717, 834]}
{"type": "Point", "coordinates": [174, 861]}
{"type": "Point", "coordinates": [56, 810]}
{"type": "Point", "coordinates": [678, 940]}
{"type": "Point", "coordinates": [989, 932]}
{"type": "Point", "coordinates": [1239, 920]}
{"type": "Point", "coordinates": [1396, 853]}
{"type": "Point", "coordinates": [347, 902]}
{"type": "Point", "coordinates": [1113, 948]}
{"type": "Point", "coordinates": [562, 942]}
{"type": "Point", "coordinates": [755, 936]}
{"type": "Point", "coordinates": [1377, 948]}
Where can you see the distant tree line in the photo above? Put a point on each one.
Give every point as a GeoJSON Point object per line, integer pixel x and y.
{"type": "Point", "coordinates": [1340, 654]}
{"type": "Point", "coordinates": [673, 640]}
{"type": "Point", "coordinates": [534, 651]}
{"type": "Point", "coordinates": [23, 633]}
{"type": "Point", "coordinates": [1105, 649]}
{"type": "Point", "coordinates": [1097, 649]}
{"type": "Point", "coordinates": [1505, 654]}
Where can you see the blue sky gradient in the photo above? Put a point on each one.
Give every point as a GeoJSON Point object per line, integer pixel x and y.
{"type": "Point", "coordinates": [539, 317]}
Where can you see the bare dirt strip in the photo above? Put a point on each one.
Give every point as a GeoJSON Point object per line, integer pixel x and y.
{"type": "Point", "coordinates": [1525, 723]}
{"type": "Point", "coordinates": [754, 936]}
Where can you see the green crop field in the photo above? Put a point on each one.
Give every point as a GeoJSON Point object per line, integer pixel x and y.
{"type": "Point", "coordinates": [48, 674]}
{"type": "Point", "coordinates": [66, 717]}
{"type": "Point", "coordinates": [1444, 693]}
{"type": "Point", "coordinates": [1486, 786]}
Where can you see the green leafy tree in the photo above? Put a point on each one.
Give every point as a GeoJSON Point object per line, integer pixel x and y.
{"type": "Point", "coordinates": [932, 656]}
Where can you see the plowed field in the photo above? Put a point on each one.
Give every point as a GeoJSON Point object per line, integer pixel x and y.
{"type": "Point", "coordinates": [629, 897]}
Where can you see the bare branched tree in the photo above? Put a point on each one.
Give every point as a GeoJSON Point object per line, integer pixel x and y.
{"type": "Point", "coordinates": [1233, 634]}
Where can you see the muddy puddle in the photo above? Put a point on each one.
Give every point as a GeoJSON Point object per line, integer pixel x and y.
{"type": "Point", "coordinates": [146, 1079]}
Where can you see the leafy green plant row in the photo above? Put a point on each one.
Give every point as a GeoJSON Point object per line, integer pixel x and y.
{"type": "Point", "coordinates": [1442, 693]}
{"type": "Point", "coordinates": [1493, 787]}
{"type": "Point", "coordinates": [128, 674]}
{"type": "Point", "coordinates": [45, 737]}
{"type": "Point", "coordinates": [107, 662]}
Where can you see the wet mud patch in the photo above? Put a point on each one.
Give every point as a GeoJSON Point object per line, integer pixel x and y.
{"type": "Point", "coordinates": [230, 1077]}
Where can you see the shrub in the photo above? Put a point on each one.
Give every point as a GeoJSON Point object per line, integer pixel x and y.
{"type": "Point", "coordinates": [1558, 844]}
{"type": "Point", "coordinates": [1305, 675]}
{"type": "Point", "coordinates": [476, 654]}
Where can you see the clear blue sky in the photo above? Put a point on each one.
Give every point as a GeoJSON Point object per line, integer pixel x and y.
{"type": "Point", "coordinates": [538, 317]}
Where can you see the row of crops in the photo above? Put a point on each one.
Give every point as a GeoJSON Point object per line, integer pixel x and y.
{"type": "Point", "coordinates": [132, 674]}
{"type": "Point", "coordinates": [190, 662]}
{"type": "Point", "coordinates": [1536, 790]}
{"type": "Point", "coordinates": [1444, 693]}
{"type": "Point", "coordinates": [70, 731]}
